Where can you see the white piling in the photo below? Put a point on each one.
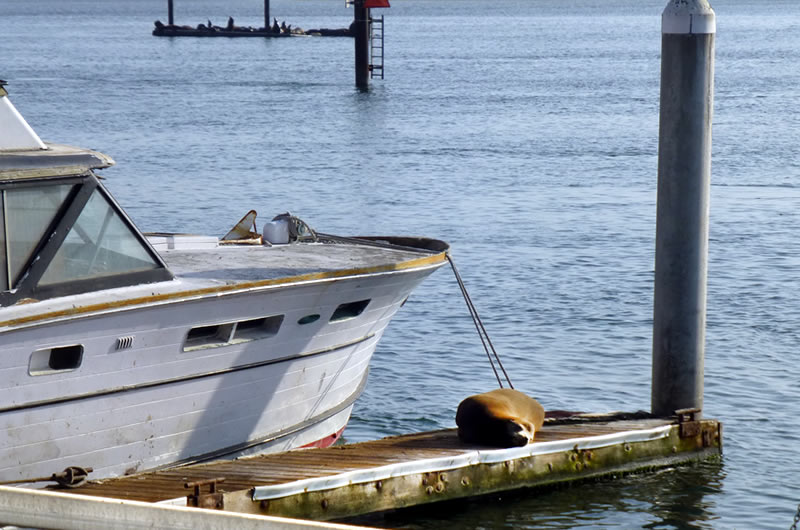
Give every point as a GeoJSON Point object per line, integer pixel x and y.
{"type": "Point", "coordinates": [688, 28]}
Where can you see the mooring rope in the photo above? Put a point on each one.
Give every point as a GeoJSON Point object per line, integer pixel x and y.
{"type": "Point", "coordinates": [71, 477]}
{"type": "Point", "coordinates": [476, 319]}
{"type": "Point", "coordinates": [300, 230]}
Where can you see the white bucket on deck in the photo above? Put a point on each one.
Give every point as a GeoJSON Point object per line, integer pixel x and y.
{"type": "Point", "coordinates": [276, 232]}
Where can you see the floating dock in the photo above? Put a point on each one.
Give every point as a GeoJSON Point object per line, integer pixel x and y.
{"type": "Point", "coordinates": [402, 471]}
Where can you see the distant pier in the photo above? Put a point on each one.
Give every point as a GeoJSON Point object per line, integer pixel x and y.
{"type": "Point", "coordinates": [233, 31]}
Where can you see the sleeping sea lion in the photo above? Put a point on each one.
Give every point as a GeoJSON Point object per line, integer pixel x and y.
{"type": "Point", "coordinates": [500, 418]}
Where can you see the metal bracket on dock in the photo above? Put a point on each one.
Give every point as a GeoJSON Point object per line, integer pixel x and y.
{"type": "Point", "coordinates": [211, 500]}
{"type": "Point", "coordinates": [689, 424]}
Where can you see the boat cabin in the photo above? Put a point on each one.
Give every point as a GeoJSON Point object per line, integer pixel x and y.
{"type": "Point", "coordinates": [61, 232]}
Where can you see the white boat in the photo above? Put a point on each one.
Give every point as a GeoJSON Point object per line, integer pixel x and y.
{"type": "Point", "coordinates": [124, 352]}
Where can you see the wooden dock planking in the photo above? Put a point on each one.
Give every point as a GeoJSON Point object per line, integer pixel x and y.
{"type": "Point", "coordinates": [348, 480]}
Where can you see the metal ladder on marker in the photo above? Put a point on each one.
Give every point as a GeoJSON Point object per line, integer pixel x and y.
{"type": "Point", "coordinates": [376, 47]}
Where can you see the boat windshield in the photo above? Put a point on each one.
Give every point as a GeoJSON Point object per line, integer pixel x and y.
{"type": "Point", "coordinates": [28, 213]}
{"type": "Point", "coordinates": [98, 244]}
{"type": "Point", "coordinates": [67, 237]}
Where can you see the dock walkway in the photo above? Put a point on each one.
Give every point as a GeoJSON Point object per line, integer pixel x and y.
{"type": "Point", "coordinates": [401, 471]}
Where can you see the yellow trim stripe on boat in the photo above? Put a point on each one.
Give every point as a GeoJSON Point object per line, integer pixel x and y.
{"type": "Point", "coordinates": [227, 289]}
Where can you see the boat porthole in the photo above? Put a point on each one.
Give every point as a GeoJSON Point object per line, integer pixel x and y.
{"type": "Point", "coordinates": [308, 319]}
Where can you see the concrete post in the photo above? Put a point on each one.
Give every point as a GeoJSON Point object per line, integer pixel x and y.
{"type": "Point", "coordinates": [170, 17]}
{"type": "Point", "coordinates": [684, 175]}
{"type": "Point", "coordinates": [266, 15]}
{"type": "Point", "coordinates": [361, 34]}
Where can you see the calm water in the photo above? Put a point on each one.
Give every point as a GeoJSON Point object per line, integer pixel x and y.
{"type": "Point", "coordinates": [524, 133]}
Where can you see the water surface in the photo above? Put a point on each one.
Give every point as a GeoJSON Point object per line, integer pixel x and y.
{"type": "Point", "coordinates": [522, 132]}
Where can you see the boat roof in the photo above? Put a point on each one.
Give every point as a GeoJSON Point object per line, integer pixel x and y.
{"type": "Point", "coordinates": [23, 155]}
{"type": "Point", "coordinates": [54, 161]}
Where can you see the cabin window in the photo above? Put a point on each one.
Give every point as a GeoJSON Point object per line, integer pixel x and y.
{"type": "Point", "coordinates": [216, 335]}
{"type": "Point", "coordinates": [55, 360]}
{"type": "Point", "coordinates": [257, 328]}
{"type": "Point", "coordinates": [203, 337]}
{"type": "Point", "coordinates": [99, 244]}
{"type": "Point", "coordinates": [29, 212]}
{"type": "Point", "coordinates": [349, 310]}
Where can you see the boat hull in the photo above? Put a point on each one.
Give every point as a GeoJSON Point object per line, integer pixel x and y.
{"type": "Point", "coordinates": [144, 397]}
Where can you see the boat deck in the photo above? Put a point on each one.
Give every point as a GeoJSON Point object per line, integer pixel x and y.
{"type": "Point", "coordinates": [199, 257]}
{"type": "Point", "coordinates": [412, 469]}
{"type": "Point", "coordinates": [246, 263]}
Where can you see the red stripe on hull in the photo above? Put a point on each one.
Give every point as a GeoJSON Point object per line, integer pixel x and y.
{"type": "Point", "coordinates": [325, 442]}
